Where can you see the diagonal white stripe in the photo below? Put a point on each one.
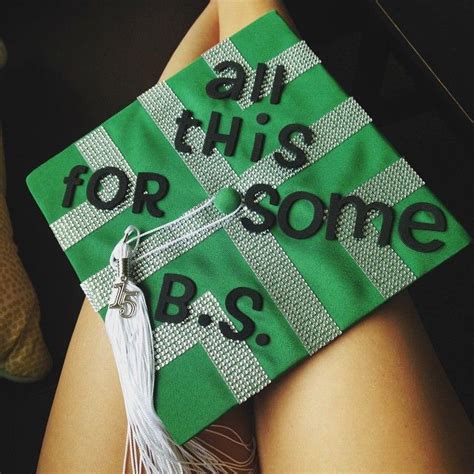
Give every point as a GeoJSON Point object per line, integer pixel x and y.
{"type": "Point", "coordinates": [234, 360]}
{"type": "Point", "coordinates": [382, 265]}
{"type": "Point", "coordinates": [99, 151]}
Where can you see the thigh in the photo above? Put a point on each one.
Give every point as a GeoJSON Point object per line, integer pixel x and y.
{"type": "Point", "coordinates": [376, 399]}
{"type": "Point", "coordinates": [87, 426]}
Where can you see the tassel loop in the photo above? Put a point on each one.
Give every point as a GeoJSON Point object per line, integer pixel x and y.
{"type": "Point", "coordinates": [121, 298]}
{"type": "Point", "coordinates": [123, 252]}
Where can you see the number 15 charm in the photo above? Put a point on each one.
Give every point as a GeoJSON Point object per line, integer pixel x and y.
{"type": "Point", "coordinates": [122, 300]}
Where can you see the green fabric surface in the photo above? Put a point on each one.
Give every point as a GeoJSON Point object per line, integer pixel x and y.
{"type": "Point", "coordinates": [190, 392]}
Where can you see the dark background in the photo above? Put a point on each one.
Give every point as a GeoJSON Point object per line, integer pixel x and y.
{"type": "Point", "coordinates": [72, 65]}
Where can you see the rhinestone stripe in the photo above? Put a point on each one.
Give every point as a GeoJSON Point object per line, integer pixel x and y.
{"type": "Point", "coordinates": [98, 286]}
{"type": "Point", "coordinates": [382, 265]}
{"type": "Point", "coordinates": [99, 151]}
{"type": "Point", "coordinates": [234, 360]}
{"type": "Point", "coordinates": [391, 185]}
{"type": "Point", "coordinates": [329, 132]}
{"type": "Point", "coordinates": [294, 298]}
{"type": "Point", "coordinates": [296, 59]}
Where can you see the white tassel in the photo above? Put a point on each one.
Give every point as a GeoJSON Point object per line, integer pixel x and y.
{"type": "Point", "coordinates": [128, 327]}
{"type": "Point", "coordinates": [150, 446]}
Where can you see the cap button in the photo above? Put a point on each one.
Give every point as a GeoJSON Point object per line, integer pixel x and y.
{"type": "Point", "coordinates": [227, 200]}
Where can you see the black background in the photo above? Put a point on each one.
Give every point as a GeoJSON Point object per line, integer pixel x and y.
{"type": "Point", "coordinates": [72, 65]}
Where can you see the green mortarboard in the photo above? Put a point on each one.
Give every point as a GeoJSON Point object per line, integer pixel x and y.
{"type": "Point", "coordinates": [333, 221]}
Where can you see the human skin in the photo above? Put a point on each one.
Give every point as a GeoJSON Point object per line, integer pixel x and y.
{"type": "Point", "coordinates": [376, 399]}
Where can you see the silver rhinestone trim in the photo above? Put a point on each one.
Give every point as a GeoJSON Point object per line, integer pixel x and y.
{"type": "Point", "coordinates": [391, 185]}
{"type": "Point", "coordinates": [292, 295]}
{"type": "Point", "coordinates": [99, 151]}
{"type": "Point", "coordinates": [297, 59]}
{"type": "Point", "coordinates": [329, 132]}
{"type": "Point", "coordinates": [234, 360]}
{"type": "Point", "coordinates": [382, 265]}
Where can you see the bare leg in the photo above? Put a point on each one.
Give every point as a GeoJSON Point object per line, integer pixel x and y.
{"type": "Point", "coordinates": [86, 428]}
{"type": "Point", "coordinates": [374, 400]}
{"type": "Point", "coordinates": [87, 425]}
{"type": "Point", "coordinates": [237, 14]}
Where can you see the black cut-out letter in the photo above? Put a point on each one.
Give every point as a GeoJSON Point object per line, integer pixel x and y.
{"type": "Point", "coordinates": [285, 141]}
{"type": "Point", "coordinates": [248, 326]}
{"type": "Point", "coordinates": [362, 210]}
{"type": "Point", "coordinates": [257, 148]}
{"type": "Point", "coordinates": [181, 302]}
{"type": "Point", "coordinates": [227, 87]}
{"type": "Point", "coordinates": [72, 181]}
{"type": "Point", "coordinates": [407, 224]}
{"type": "Point", "coordinates": [142, 196]}
{"type": "Point", "coordinates": [250, 201]}
{"type": "Point", "coordinates": [284, 215]}
{"type": "Point", "coordinates": [278, 83]}
{"type": "Point", "coordinates": [213, 136]}
{"type": "Point", "coordinates": [94, 183]}
{"type": "Point", "coordinates": [184, 123]}
{"type": "Point", "coordinates": [259, 140]}
{"type": "Point", "coordinates": [257, 85]}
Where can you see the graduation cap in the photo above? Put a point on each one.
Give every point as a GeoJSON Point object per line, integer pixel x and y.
{"type": "Point", "coordinates": [272, 217]}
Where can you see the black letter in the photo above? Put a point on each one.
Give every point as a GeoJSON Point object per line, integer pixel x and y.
{"type": "Point", "coordinates": [258, 144]}
{"type": "Point", "coordinates": [93, 187]}
{"type": "Point", "coordinates": [184, 122]}
{"type": "Point", "coordinates": [235, 84]}
{"type": "Point", "coordinates": [259, 141]}
{"type": "Point", "coordinates": [278, 83]}
{"type": "Point", "coordinates": [181, 302]}
{"type": "Point", "coordinates": [213, 136]}
{"type": "Point", "coordinates": [250, 201]}
{"type": "Point", "coordinates": [407, 224]}
{"type": "Point", "coordinates": [285, 141]}
{"type": "Point", "coordinates": [248, 326]}
{"type": "Point", "coordinates": [71, 182]}
{"type": "Point", "coordinates": [142, 196]}
{"type": "Point", "coordinates": [284, 212]}
{"type": "Point", "coordinates": [257, 85]}
{"type": "Point", "coordinates": [362, 209]}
